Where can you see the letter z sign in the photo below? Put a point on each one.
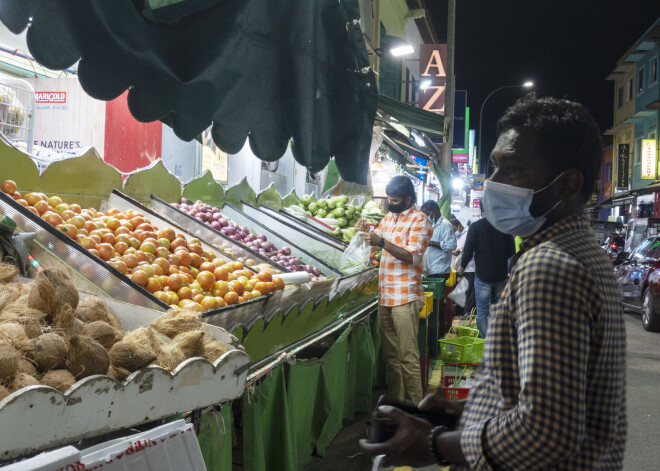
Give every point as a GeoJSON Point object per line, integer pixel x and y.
{"type": "Point", "coordinates": [432, 60]}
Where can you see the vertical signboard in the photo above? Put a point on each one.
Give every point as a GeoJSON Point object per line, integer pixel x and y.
{"type": "Point", "coordinates": [471, 146]}
{"type": "Point", "coordinates": [649, 158]}
{"type": "Point", "coordinates": [432, 60]}
{"type": "Point", "coordinates": [214, 159]}
{"type": "Point", "coordinates": [460, 104]}
{"type": "Point", "coordinates": [622, 166]}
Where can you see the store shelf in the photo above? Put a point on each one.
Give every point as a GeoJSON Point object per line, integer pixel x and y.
{"type": "Point", "coordinates": [242, 219]}
{"type": "Point", "coordinates": [43, 418]}
{"type": "Point", "coordinates": [111, 281]}
{"type": "Point", "coordinates": [316, 245]}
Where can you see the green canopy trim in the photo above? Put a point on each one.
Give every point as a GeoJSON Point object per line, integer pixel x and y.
{"type": "Point", "coordinates": [417, 118]}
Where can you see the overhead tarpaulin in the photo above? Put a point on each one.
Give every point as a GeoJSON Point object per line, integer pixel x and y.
{"type": "Point", "coordinates": [417, 118]}
{"type": "Point", "coordinates": [267, 70]}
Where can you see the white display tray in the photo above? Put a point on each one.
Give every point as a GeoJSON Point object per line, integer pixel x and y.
{"type": "Point", "coordinates": [39, 417]}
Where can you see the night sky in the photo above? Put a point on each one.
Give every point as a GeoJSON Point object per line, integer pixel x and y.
{"type": "Point", "coordinates": [567, 47]}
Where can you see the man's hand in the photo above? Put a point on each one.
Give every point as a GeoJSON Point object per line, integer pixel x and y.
{"type": "Point", "coordinates": [371, 238]}
{"type": "Point", "coordinates": [457, 251]}
{"type": "Point", "coordinates": [436, 403]}
{"type": "Point", "coordinates": [410, 444]}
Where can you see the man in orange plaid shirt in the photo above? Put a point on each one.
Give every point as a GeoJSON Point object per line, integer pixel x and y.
{"type": "Point", "coordinates": [403, 234]}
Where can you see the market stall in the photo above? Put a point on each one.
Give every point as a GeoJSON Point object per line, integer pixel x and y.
{"type": "Point", "coordinates": [335, 310]}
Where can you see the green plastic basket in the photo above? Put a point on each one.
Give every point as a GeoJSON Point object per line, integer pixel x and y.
{"type": "Point", "coordinates": [462, 350]}
{"type": "Point", "coordinates": [465, 331]}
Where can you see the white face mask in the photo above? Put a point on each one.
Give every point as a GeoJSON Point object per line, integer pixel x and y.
{"type": "Point", "coordinates": [507, 208]}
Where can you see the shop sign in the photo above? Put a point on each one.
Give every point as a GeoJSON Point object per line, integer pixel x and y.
{"type": "Point", "coordinates": [213, 158]}
{"type": "Point", "coordinates": [460, 105]}
{"type": "Point", "coordinates": [432, 60]}
{"type": "Point", "coordinates": [622, 169]}
{"type": "Point", "coordinates": [50, 97]}
{"type": "Point", "coordinates": [460, 158]}
{"type": "Point", "coordinates": [649, 158]}
{"type": "Point", "coordinates": [478, 183]}
{"type": "Point", "coordinates": [475, 202]}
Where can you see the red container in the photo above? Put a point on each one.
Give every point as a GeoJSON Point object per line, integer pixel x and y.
{"type": "Point", "coordinates": [448, 380]}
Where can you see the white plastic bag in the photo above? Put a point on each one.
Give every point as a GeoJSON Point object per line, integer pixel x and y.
{"type": "Point", "coordinates": [459, 294]}
{"type": "Point", "coordinates": [356, 256]}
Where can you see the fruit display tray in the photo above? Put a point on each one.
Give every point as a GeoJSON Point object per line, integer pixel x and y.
{"type": "Point", "coordinates": [42, 418]}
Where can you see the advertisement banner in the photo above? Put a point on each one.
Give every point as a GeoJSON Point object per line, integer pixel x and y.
{"type": "Point", "coordinates": [460, 104]}
{"type": "Point", "coordinates": [66, 119]}
{"type": "Point", "coordinates": [622, 166]}
{"type": "Point", "coordinates": [432, 60]}
{"type": "Point", "coordinates": [649, 158]}
{"type": "Point", "coordinates": [460, 158]}
{"type": "Point", "coordinates": [478, 182]}
{"type": "Point", "coordinates": [213, 158]}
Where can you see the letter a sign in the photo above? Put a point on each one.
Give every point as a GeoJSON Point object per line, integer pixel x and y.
{"type": "Point", "coordinates": [432, 60]}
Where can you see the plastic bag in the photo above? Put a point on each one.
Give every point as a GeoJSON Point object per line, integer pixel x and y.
{"type": "Point", "coordinates": [356, 256]}
{"type": "Point", "coordinates": [459, 294]}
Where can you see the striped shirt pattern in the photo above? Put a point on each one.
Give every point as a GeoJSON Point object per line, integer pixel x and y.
{"type": "Point", "coordinates": [551, 391]}
{"type": "Point", "coordinates": [399, 282]}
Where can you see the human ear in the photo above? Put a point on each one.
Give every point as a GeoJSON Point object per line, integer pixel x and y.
{"type": "Point", "coordinates": [572, 184]}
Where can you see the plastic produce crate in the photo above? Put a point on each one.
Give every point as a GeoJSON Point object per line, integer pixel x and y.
{"type": "Point", "coordinates": [449, 374]}
{"type": "Point", "coordinates": [435, 286]}
{"type": "Point", "coordinates": [462, 350]}
{"type": "Point", "coordinates": [465, 331]}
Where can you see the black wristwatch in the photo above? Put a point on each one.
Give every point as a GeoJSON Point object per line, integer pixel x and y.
{"type": "Point", "coordinates": [381, 243]}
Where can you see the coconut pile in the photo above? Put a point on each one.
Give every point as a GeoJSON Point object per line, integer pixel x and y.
{"type": "Point", "coordinates": [49, 336]}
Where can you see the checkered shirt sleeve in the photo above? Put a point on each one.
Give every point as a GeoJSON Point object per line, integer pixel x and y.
{"type": "Point", "coordinates": [400, 282]}
{"type": "Point", "coordinates": [551, 392]}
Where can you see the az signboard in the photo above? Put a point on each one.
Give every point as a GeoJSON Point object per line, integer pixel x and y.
{"type": "Point", "coordinates": [432, 60]}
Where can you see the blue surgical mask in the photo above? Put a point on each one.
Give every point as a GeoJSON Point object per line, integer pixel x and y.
{"type": "Point", "coordinates": [432, 219]}
{"type": "Point", "coordinates": [507, 208]}
{"type": "Point", "coordinates": [459, 233]}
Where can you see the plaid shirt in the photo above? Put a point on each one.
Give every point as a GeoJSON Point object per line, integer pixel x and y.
{"type": "Point", "coordinates": [399, 282]}
{"type": "Point", "coordinates": [551, 391]}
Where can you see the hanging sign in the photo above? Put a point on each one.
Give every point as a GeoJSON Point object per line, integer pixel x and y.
{"type": "Point", "coordinates": [432, 60]}
{"type": "Point", "coordinates": [622, 163]}
{"type": "Point", "coordinates": [649, 157]}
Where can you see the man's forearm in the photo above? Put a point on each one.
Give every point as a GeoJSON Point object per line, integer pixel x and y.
{"type": "Point", "coordinates": [448, 446]}
{"type": "Point", "coordinates": [398, 252]}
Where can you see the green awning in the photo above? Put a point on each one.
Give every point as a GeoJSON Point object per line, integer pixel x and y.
{"type": "Point", "coordinates": [425, 121]}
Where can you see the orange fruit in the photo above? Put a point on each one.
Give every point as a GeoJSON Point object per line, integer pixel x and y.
{"type": "Point", "coordinates": [139, 277]}
{"type": "Point", "coordinates": [9, 187]}
{"type": "Point", "coordinates": [236, 286]}
{"type": "Point", "coordinates": [231, 298]}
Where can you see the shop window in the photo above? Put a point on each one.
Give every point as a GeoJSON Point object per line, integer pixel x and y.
{"type": "Point", "coordinates": [654, 71]}
{"type": "Point", "coordinates": [619, 96]}
{"type": "Point", "coordinates": [638, 151]}
{"type": "Point", "coordinates": [640, 81]}
{"type": "Point", "coordinates": [629, 87]}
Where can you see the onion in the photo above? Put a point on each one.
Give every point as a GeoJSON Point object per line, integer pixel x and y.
{"type": "Point", "coordinates": [229, 230]}
{"type": "Point", "coordinates": [217, 217]}
{"type": "Point", "coordinates": [216, 225]}
{"type": "Point", "coordinates": [286, 250]}
{"type": "Point", "coordinates": [215, 210]}
{"type": "Point", "coordinates": [262, 237]}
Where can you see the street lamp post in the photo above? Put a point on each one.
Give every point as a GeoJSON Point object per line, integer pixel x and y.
{"type": "Point", "coordinates": [481, 111]}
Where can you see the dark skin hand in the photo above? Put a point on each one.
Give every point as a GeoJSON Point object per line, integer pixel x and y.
{"type": "Point", "coordinates": [372, 238]}
{"type": "Point", "coordinates": [410, 444]}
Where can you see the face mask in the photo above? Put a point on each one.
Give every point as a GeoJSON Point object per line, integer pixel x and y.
{"type": "Point", "coordinates": [396, 208]}
{"type": "Point", "coordinates": [459, 233]}
{"type": "Point", "coordinates": [507, 208]}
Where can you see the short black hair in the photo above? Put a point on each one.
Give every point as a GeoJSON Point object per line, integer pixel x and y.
{"type": "Point", "coordinates": [402, 187]}
{"type": "Point", "coordinates": [432, 207]}
{"type": "Point", "coordinates": [568, 135]}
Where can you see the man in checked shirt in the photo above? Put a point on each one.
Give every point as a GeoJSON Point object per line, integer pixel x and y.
{"type": "Point", "coordinates": [403, 234]}
{"type": "Point", "coordinates": [551, 391]}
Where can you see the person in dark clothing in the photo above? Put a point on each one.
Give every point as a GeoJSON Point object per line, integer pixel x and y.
{"type": "Point", "coordinates": [491, 251]}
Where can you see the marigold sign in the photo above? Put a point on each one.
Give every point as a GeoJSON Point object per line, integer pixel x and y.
{"type": "Point", "coordinates": [649, 158]}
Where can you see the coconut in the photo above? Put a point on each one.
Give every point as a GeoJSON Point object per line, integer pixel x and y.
{"type": "Point", "coordinates": [22, 380]}
{"type": "Point", "coordinates": [147, 337]}
{"type": "Point", "coordinates": [130, 356]}
{"type": "Point", "coordinates": [177, 321]}
{"type": "Point", "coordinates": [19, 308]}
{"type": "Point", "coordinates": [190, 343]}
{"type": "Point", "coordinates": [4, 392]}
{"type": "Point", "coordinates": [58, 379]}
{"type": "Point", "coordinates": [26, 366]}
{"type": "Point", "coordinates": [66, 323]}
{"type": "Point", "coordinates": [92, 309]}
{"type": "Point", "coordinates": [170, 357]}
{"type": "Point", "coordinates": [52, 289]}
{"type": "Point", "coordinates": [8, 361]}
{"type": "Point", "coordinates": [213, 349]}
{"type": "Point", "coordinates": [48, 352]}
{"type": "Point", "coordinates": [26, 288]}
{"type": "Point", "coordinates": [87, 357]}
{"type": "Point", "coordinates": [14, 334]}
{"type": "Point", "coordinates": [9, 294]}
{"type": "Point", "coordinates": [8, 272]}
{"type": "Point", "coordinates": [120, 374]}
{"type": "Point", "coordinates": [102, 332]}
{"type": "Point", "coordinates": [114, 322]}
